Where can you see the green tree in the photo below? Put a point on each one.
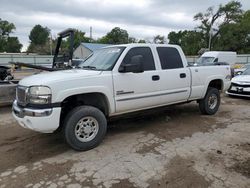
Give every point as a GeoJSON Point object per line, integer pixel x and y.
{"type": "Point", "coordinates": [8, 43]}
{"type": "Point", "coordinates": [39, 35]}
{"type": "Point", "coordinates": [2, 43]}
{"type": "Point", "coordinates": [158, 39]}
{"type": "Point", "coordinates": [142, 41]}
{"type": "Point", "coordinates": [115, 36]}
{"type": "Point", "coordinates": [13, 45]}
{"type": "Point", "coordinates": [229, 13]}
{"type": "Point", "coordinates": [245, 25]}
{"type": "Point", "coordinates": [175, 37]}
{"type": "Point", "coordinates": [235, 36]}
{"type": "Point", "coordinates": [190, 41]}
{"type": "Point", "coordinates": [6, 28]}
{"type": "Point", "coordinates": [39, 40]}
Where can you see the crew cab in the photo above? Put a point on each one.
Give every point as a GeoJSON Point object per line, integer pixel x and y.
{"type": "Point", "coordinates": [113, 81]}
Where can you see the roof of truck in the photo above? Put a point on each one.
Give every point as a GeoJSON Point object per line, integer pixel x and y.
{"type": "Point", "coordinates": [145, 44]}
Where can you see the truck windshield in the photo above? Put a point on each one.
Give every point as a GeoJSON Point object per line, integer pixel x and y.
{"type": "Point", "coordinates": [102, 59]}
{"type": "Point", "coordinates": [205, 60]}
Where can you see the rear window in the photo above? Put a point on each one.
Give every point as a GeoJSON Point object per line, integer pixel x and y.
{"type": "Point", "coordinates": [169, 57]}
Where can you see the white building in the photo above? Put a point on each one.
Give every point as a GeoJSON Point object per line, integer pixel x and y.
{"type": "Point", "coordinates": [85, 49]}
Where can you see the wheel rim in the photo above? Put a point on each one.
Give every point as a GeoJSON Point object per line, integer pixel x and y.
{"type": "Point", "coordinates": [212, 101]}
{"type": "Point", "coordinates": [86, 129]}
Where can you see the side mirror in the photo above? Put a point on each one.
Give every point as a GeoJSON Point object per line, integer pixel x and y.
{"type": "Point", "coordinates": [135, 65]}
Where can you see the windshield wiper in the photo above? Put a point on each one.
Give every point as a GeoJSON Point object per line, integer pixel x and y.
{"type": "Point", "coordinates": [89, 67]}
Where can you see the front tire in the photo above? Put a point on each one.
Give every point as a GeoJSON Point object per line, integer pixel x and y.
{"type": "Point", "coordinates": [209, 105]}
{"type": "Point", "coordinates": [84, 128]}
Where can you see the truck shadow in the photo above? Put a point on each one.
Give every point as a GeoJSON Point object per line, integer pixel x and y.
{"type": "Point", "coordinates": [168, 123]}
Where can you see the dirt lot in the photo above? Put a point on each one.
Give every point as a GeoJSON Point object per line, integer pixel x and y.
{"type": "Point", "coordinates": [175, 147]}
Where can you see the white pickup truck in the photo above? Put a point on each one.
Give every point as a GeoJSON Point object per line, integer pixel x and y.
{"type": "Point", "coordinates": [113, 81]}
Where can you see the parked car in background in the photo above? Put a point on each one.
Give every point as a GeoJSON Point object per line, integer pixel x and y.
{"type": "Point", "coordinates": [240, 84]}
{"type": "Point", "coordinates": [240, 70]}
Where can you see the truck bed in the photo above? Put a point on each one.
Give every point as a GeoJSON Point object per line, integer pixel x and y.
{"type": "Point", "coordinates": [202, 74]}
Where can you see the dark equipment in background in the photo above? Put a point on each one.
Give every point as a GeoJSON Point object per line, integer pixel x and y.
{"type": "Point", "coordinates": [5, 73]}
{"type": "Point", "coordinates": [59, 62]}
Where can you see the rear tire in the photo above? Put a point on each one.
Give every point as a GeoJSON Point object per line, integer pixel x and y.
{"type": "Point", "coordinates": [84, 128]}
{"type": "Point", "coordinates": [209, 105]}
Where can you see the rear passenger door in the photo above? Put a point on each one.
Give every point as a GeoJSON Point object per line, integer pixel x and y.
{"type": "Point", "coordinates": [135, 91]}
{"type": "Point", "coordinates": [175, 78]}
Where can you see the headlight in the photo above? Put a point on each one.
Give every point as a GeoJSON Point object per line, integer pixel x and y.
{"type": "Point", "coordinates": [39, 95]}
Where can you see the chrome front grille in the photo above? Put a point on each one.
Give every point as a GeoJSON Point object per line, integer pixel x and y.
{"type": "Point", "coordinates": [21, 93]}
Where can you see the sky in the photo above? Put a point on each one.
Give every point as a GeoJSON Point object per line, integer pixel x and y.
{"type": "Point", "coordinates": [143, 19]}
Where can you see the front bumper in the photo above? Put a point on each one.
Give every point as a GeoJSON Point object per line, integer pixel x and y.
{"type": "Point", "coordinates": [237, 94]}
{"type": "Point", "coordinates": [41, 120]}
{"type": "Point", "coordinates": [239, 90]}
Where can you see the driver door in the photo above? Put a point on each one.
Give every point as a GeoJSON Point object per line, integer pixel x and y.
{"type": "Point", "coordinates": [134, 91]}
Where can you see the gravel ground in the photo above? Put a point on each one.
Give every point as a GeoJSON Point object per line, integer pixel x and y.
{"type": "Point", "coordinates": [174, 147]}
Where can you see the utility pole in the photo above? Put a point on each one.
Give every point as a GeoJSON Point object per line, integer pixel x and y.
{"type": "Point", "coordinates": [90, 33]}
{"type": "Point", "coordinates": [211, 32]}
{"type": "Point", "coordinates": [51, 44]}
{"type": "Point", "coordinates": [210, 38]}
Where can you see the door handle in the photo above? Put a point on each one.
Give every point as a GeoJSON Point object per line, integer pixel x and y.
{"type": "Point", "coordinates": [155, 77]}
{"type": "Point", "coordinates": [183, 75]}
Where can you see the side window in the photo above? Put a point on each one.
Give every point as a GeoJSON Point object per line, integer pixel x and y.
{"type": "Point", "coordinates": [147, 57]}
{"type": "Point", "coordinates": [169, 57]}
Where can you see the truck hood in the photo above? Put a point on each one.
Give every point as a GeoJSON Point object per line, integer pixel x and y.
{"type": "Point", "coordinates": [241, 79]}
{"type": "Point", "coordinates": [57, 76]}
